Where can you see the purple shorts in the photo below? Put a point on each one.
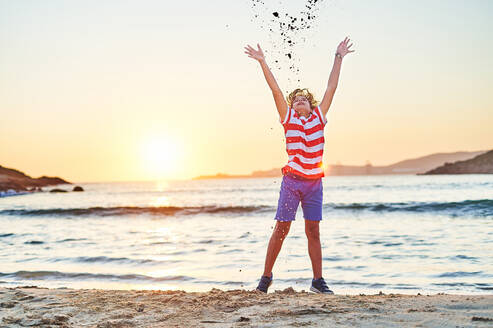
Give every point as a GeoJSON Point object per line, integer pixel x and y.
{"type": "Point", "coordinates": [294, 190]}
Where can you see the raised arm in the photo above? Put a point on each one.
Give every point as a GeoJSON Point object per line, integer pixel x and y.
{"type": "Point", "coordinates": [269, 77]}
{"type": "Point", "coordinates": [342, 50]}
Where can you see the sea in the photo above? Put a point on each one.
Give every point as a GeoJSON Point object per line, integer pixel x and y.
{"type": "Point", "coordinates": [404, 234]}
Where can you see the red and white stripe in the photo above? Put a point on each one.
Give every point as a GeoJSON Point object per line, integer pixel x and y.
{"type": "Point", "coordinates": [304, 143]}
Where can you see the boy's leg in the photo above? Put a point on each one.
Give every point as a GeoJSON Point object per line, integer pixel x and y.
{"type": "Point", "coordinates": [311, 202]}
{"type": "Point", "coordinates": [287, 205]}
{"type": "Point", "coordinates": [280, 232]}
{"type": "Point", "coordinates": [314, 247]}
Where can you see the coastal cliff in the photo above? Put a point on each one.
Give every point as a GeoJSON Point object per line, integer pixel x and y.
{"type": "Point", "coordinates": [17, 181]}
{"type": "Point", "coordinates": [481, 164]}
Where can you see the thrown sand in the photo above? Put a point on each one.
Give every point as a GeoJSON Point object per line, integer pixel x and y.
{"type": "Point", "coordinates": [43, 307]}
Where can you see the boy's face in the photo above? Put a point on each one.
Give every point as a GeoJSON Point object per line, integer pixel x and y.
{"type": "Point", "coordinates": [301, 104]}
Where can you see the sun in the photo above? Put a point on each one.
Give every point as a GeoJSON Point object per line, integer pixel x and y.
{"type": "Point", "coordinates": [161, 157]}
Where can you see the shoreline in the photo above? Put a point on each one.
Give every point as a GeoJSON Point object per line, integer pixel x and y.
{"type": "Point", "coordinates": [64, 307]}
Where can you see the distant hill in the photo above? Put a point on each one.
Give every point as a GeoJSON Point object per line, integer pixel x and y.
{"type": "Point", "coordinates": [221, 176]}
{"type": "Point", "coordinates": [11, 179]}
{"type": "Point", "coordinates": [481, 164]}
{"type": "Point", "coordinates": [425, 163]}
{"type": "Point", "coordinates": [408, 166]}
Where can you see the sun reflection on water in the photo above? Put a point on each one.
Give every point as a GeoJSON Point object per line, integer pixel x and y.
{"type": "Point", "coordinates": [161, 185]}
{"type": "Point", "coordinates": [160, 201]}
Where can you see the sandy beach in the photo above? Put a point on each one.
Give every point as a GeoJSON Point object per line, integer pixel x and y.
{"type": "Point", "coordinates": [30, 306]}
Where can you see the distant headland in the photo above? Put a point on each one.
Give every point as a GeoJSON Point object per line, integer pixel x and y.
{"type": "Point", "coordinates": [418, 165]}
{"type": "Point", "coordinates": [481, 164]}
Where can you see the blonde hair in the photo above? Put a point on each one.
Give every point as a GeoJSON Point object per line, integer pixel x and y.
{"type": "Point", "coordinates": [302, 92]}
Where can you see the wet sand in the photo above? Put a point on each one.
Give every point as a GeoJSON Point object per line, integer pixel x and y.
{"type": "Point", "coordinates": [43, 307]}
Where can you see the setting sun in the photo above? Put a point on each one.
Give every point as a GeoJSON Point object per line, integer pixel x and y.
{"type": "Point", "coordinates": [160, 156]}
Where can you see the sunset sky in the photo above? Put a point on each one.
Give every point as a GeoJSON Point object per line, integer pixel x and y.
{"type": "Point", "coordinates": [142, 90]}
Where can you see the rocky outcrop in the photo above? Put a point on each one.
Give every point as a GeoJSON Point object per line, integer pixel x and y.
{"type": "Point", "coordinates": [58, 190]}
{"type": "Point", "coordinates": [16, 181]}
{"type": "Point", "coordinates": [481, 164]}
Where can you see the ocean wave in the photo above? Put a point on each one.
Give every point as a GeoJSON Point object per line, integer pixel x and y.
{"type": "Point", "coordinates": [34, 242]}
{"type": "Point", "coordinates": [461, 274]}
{"type": "Point", "coordinates": [136, 210]}
{"type": "Point", "coordinates": [57, 275]}
{"type": "Point", "coordinates": [475, 208]}
{"type": "Point", "coordinates": [70, 239]}
{"type": "Point", "coordinates": [12, 192]}
{"type": "Point", "coordinates": [116, 260]}
{"type": "Point", "coordinates": [480, 207]}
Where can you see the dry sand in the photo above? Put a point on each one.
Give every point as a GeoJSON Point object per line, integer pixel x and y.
{"type": "Point", "coordinates": [42, 307]}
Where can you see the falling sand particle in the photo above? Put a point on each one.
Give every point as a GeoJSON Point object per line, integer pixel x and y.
{"type": "Point", "coordinates": [286, 31]}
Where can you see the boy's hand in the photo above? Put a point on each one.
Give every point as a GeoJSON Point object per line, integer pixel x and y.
{"type": "Point", "coordinates": [255, 54]}
{"type": "Point", "coordinates": [343, 47]}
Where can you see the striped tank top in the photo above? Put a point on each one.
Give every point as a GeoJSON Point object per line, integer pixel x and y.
{"type": "Point", "coordinates": [304, 143]}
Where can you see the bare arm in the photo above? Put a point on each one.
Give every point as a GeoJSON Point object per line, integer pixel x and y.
{"type": "Point", "coordinates": [269, 77]}
{"type": "Point", "coordinates": [342, 50]}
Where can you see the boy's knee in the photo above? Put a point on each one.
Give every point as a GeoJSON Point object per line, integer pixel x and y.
{"type": "Point", "coordinates": [282, 229]}
{"type": "Point", "coordinates": [312, 231]}
{"type": "Point", "coordinates": [282, 232]}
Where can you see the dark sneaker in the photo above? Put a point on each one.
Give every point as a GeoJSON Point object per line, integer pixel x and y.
{"type": "Point", "coordinates": [319, 286]}
{"type": "Point", "coordinates": [265, 282]}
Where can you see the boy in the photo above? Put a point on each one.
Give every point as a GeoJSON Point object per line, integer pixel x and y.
{"type": "Point", "coordinates": [303, 123]}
